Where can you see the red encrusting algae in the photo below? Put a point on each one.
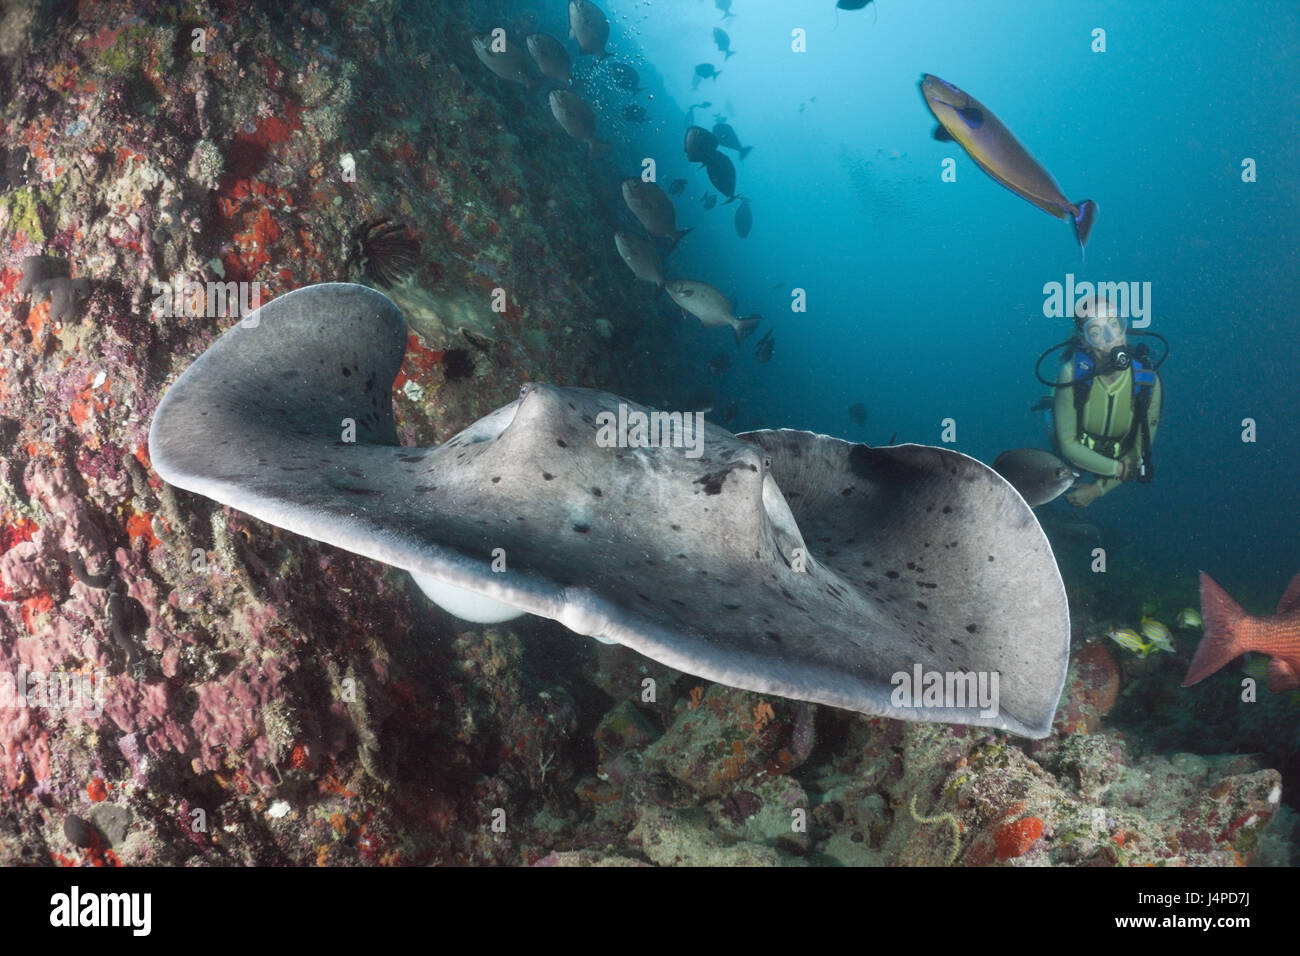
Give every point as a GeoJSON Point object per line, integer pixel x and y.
{"type": "Point", "coordinates": [1014, 838]}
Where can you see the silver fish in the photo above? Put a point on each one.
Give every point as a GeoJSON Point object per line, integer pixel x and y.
{"type": "Point", "coordinates": [507, 63]}
{"type": "Point", "coordinates": [652, 208]}
{"type": "Point", "coordinates": [577, 117]}
{"type": "Point", "coordinates": [551, 57]}
{"type": "Point", "coordinates": [710, 306]}
{"type": "Point", "coordinates": [641, 257]}
{"type": "Point", "coordinates": [589, 26]}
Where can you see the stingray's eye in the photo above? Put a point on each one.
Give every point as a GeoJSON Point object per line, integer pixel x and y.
{"type": "Point", "coordinates": [523, 391]}
{"type": "Point", "coordinates": [767, 463]}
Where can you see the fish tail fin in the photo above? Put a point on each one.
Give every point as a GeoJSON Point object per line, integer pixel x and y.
{"type": "Point", "coordinates": [744, 326]}
{"type": "Point", "coordinates": [678, 236]}
{"type": "Point", "coordinates": [731, 199]}
{"type": "Point", "coordinates": [728, 55]}
{"type": "Point", "coordinates": [1083, 221]}
{"type": "Point", "coordinates": [1223, 620]}
{"type": "Point", "coordinates": [745, 151]}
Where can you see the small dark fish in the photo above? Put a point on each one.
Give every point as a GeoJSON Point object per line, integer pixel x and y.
{"type": "Point", "coordinates": [763, 350]}
{"type": "Point", "coordinates": [710, 200]}
{"type": "Point", "coordinates": [1038, 475]}
{"type": "Point", "coordinates": [551, 57]}
{"type": "Point", "coordinates": [723, 41]}
{"type": "Point", "coordinates": [699, 144]}
{"type": "Point", "coordinates": [719, 363]}
{"type": "Point", "coordinates": [725, 7]}
{"type": "Point", "coordinates": [676, 187]}
{"type": "Point", "coordinates": [744, 219]}
{"type": "Point", "coordinates": [858, 414]}
{"type": "Point", "coordinates": [705, 71]}
{"type": "Point", "coordinates": [722, 173]}
{"type": "Point", "coordinates": [727, 138]}
{"type": "Point", "coordinates": [625, 77]}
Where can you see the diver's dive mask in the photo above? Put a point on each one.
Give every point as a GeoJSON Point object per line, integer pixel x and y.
{"type": "Point", "coordinates": [1104, 337]}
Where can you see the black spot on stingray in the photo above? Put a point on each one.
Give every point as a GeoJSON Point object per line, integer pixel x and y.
{"type": "Point", "coordinates": [990, 557]}
{"type": "Point", "coordinates": [947, 509]}
{"type": "Point", "coordinates": [732, 607]}
{"type": "Point", "coordinates": [867, 563]}
{"type": "Point", "coordinates": [713, 482]}
{"type": "Point", "coordinates": [582, 528]}
{"type": "Point", "coordinates": [496, 479]}
{"type": "Point", "coordinates": [675, 527]}
{"type": "Point", "coordinates": [425, 489]}
{"type": "Point", "coordinates": [972, 628]}
{"type": "Point", "coordinates": [412, 458]}
{"type": "Point", "coordinates": [911, 565]}
{"type": "Point", "coordinates": [774, 637]}
{"type": "Point", "coordinates": [922, 605]}
{"type": "Point", "coordinates": [547, 476]}
{"type": "Point", "coordinates": [562, 443]}
{"type": "Point", "coordinates": [926, 584]}
{"type": "Point", "coordinates": [678, 602]}
{"type": "Point", "coordinates": [597, 492]}
{"type": "Point", "coordinates": [893, 575]}
{"type": "Point", "coordinates": [352, 490]}
{"type": "Point", "coordinates": [347, 372]}
{"type": "Point", "coordinates": [831, 552]}
{"type": "Point", "coordinates": [642, 596]}
{"type": "Point", "coordinates": [846, 492]}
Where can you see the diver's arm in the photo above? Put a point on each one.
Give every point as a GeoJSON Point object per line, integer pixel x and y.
{"type": "Point", "coordinates": [1063, 416]}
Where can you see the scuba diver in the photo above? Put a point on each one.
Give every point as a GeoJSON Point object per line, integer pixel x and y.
{"type": "Point", "coordinates": [1107, 404]}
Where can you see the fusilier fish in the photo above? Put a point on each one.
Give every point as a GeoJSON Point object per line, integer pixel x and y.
{"type": "Point", "coordinates": [997, 151]}
{"type": "Point", "coordinates": [589, 26]}
{"type": "Point", "coordinates": [505, 58]}
{"type": "Point", "coordinates": [551, 57]}
{"type": "Point", "coordinates": [652, 208]}
{"type": "Point", "coordinates": [710, 306]}
{"type": "Point", "coordinates": [641, 257]}
{"type": "Point", "coordinates": [577, 117]}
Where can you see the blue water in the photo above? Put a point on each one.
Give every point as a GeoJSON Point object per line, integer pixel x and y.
{"type": "Point", "coordinates": [925, 298]}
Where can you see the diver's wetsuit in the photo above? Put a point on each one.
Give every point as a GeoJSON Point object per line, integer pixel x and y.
{"type": "Point", "coordinates": [1107, 414]}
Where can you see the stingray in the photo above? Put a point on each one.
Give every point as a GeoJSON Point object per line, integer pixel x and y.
{"type": "Point", "coordinates": [776, 561]}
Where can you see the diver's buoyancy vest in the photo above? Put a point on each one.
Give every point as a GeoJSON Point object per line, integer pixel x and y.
{"type": "Point", "coordinates": [1144, 382]}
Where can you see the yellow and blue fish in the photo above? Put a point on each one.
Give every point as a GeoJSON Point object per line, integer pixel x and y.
{"type": "Point", "coordinates": [1130, 640]}
{"type": "Point", "coordinates": [997, 151]}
